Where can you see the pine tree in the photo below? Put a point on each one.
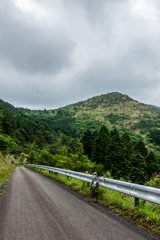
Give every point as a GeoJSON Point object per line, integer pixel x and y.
{"type": "Point", "coordinates": [87, 143]}
{"type": "Point", "coordinates": [116, 161]}
{"type": "Point", "coordinates": [94, 135]}
{"type": "Point", "coordinates": [152, 165]}
{"type": "Point", "coordinates": [137, 169]}
{"type": "Point", "coordinates": [100, 145]}
{"type": "Point", "coordinates": [140, 147]}
{"type": "Point", "coordinates": [128, 149]}
{"type": "Point", "coordinates": [128, 145]}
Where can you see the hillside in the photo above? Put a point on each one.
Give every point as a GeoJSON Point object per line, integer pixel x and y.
{"type": "Point", "coordinates": [115, 110]}
{"type": "Point", "coordinates": [19, 133]}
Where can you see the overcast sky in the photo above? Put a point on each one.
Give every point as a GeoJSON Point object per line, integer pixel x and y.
{"type": "Point", "coordinates": [57, 52]}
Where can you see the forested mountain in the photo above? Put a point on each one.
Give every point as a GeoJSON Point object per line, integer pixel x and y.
{"type": "Point", "coordinates": [111, 134]}
{"type": "Point", "coordinates": [114, 110]}
{"type": "Point", "coordinates": [18, 131]}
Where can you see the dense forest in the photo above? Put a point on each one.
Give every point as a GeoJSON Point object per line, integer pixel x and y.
{"type": "Point", "coordinates": [119, 157]}
{"type": "Point", "coordinates": [111, 134]}
{"type": "Point", "coordinates": [104, 152]}
{"type": "Point", "coordinates": [19, 133]}
{"type": "Point", "coordinates": [114, 110]}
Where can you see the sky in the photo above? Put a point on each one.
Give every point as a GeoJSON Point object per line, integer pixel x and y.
{"type": "Point", "coordinates": [57, 52]}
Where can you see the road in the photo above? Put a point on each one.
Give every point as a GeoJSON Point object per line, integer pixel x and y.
{"type": "Point", "coordinates": [35, 207]}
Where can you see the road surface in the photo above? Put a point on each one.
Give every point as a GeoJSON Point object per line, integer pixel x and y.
{"type": "Point", "coordinates": [35, 207]}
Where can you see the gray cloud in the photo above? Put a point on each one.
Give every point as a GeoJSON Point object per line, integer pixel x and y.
{"type": "Point", "coordinates": [33, 48]}
{"type": "Point", "coordinates": [59, 52]}
{"type": "Point", "coordinates": [29, 50]}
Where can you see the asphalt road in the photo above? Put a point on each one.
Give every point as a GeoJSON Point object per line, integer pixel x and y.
{"type": "Point", "coordinates": [35, 207]}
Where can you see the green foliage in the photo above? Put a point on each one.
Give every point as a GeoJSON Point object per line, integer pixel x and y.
{"type": "Point", "coordinates": [116, 161]}
{"type": "Point", "coordinates": [152, 165]}
{"type": "Point", "coordinates": [5, 168]}
{"type": "Point", "coordinates": [155, 136]}
{"type": "Point", "coordinates": [122, 112]}
{"type": "Point", "coordinates": [23, 130]}
{"type": "Point", "coordinates": [32, 157]}
{"type": "Point", "coordinates": [99, 169]}
{"type": "Point", "coordinates": [107, 174]}
{"type": "Point", "coordinates": [154, 181]}
{"type": "Point", "coordinates": [117, 155]}
{"type": "Point", "coordinates": [146, 216]}
{"type": "Point", "coordinates": [86, 140]}
{"type": "Point", "coordinates": [146, 124]}
{"type": "Point", "coordinates": [140, 147]}
{"type": "Point", "coordinates": [74, 162]}
{"type": "Point", "coordinates": [127, 144]}
{"type": "Point", "coordinates": [51, 137]}
{"type": "Point", "coordinates": [6, 143]}
{"type": "Point", "coordinates": [137, 166]}
{"type": "Point", "coordinates": [72, 158]}
{"type": "Point", "coordinates": [55, 148]}
{"type": "Point", "coordinates": [100, 145]}
{"type": "Point", "coordinates": [113, 118]}
{"type": "Point", "coordinates": [75, 147]}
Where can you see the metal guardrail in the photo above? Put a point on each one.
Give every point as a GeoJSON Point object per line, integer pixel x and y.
{"type": "Point", "coordinates": [135, 190]}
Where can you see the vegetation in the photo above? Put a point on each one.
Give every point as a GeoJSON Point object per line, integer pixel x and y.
{"type": "Point", "coordinates": [114, 110]}
{"type": "Point", "coordinates": [146, 216]}
{"type": "Point", "coordinates": [111, 134]}
{"type": "Point", "coordinates": [5, 168]}
{"type": "Point", "coordinates": [51, 137]}
{"type": "Point", "coordinates": [109, 153]}
{"type": "Point", "coordinates": [19, 133]}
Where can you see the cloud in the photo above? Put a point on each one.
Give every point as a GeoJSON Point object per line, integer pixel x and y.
{"type": "Point", "coordinates": [57, 52]}
{"type": "Point", "coordinates": [35, 51]}
{"type": "Point", "coordinates": [33, 48]}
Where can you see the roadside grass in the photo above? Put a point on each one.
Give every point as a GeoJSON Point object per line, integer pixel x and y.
{"type": "Point", "coordinates": [146, 216]}
{"type": "Point", "coordinates": [5, 169]}
{"type": "Point", "coordinates": [1, 191]}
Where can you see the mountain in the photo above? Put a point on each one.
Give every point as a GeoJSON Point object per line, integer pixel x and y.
{"type": "Point", "coordinates": [18, 131]}
{"type": "Point", "coordinates": [115, 110]}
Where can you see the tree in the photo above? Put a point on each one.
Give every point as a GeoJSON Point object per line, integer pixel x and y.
{"type": "Point", "coordinates": [49, 137]}
{"type": "Point", "coordinates": [40, 140]}
{"type": "Point", "coordinates": [55, 148]}
{"type": "Point", "coordinates": [94, 135]}
{"type": "Point", "coordinates": [32, 157]}
{"type": "Point", "coordinates": [1, 117]}
{"type": "Point", "coordinates": [75, 147]}
{"type": "Point", "coordinates": [47, 158]}
{"type": "Point", "coordinates": [140, 147]}
{"type": "Point", "coordinates": [100, 145]}
{"type": "Point", "coordinates": [137, 169]}
{"type": "Point", "coordinates": [6, 143]}
{"type": "Point", "coordinates": [87, 143]}
{"type": "Point", "coordinates": [116, 161]}
{"type": "Point", "coordinates": [128, 145]}
{"type": "Point", "coordinates": [74, 162]}
{"type": "Point", "coordinates": [152, 165]}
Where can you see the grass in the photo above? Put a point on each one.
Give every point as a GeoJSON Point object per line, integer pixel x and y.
{"type": "Point", "coordinates": [146, 216]}
{"type": "Point", "coordinates": [1, 191]}
{"type": "Point", "coordinates": [5, 169]}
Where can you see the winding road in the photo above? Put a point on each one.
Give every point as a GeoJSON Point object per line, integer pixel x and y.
{"type": "Point", "coordinates": [35, 207]}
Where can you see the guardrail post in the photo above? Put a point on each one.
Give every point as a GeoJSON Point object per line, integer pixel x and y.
{"type": "Point", "coordinates": [136, 202]}
{"type": "Point", "coordinates": [88, 184]}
